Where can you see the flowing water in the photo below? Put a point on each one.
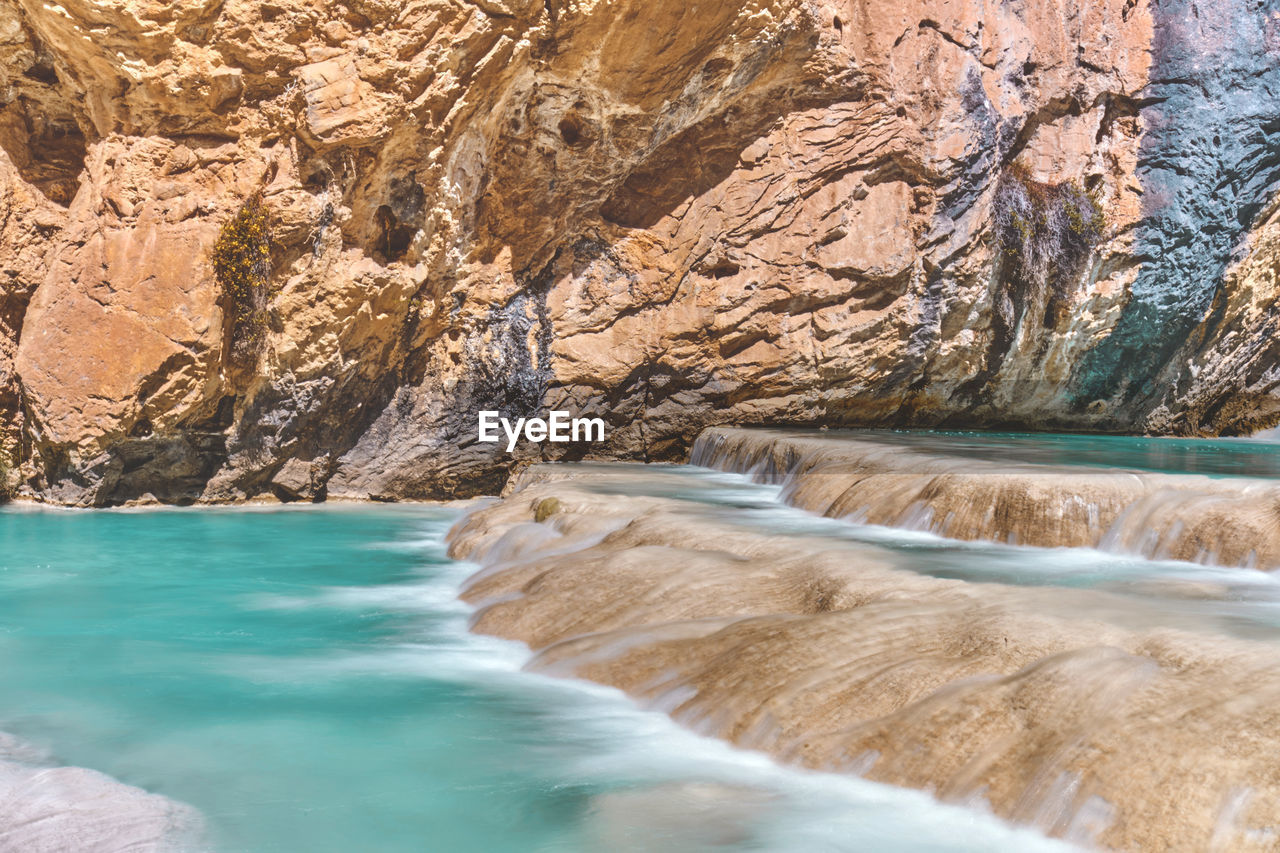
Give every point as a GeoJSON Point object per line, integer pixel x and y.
{"type": "Point", "coordinates": [1214, 503]}
{"type": "Point", "coordinates": [1241, 602]}
{"type": "Point", "coordinates": [304, 678]}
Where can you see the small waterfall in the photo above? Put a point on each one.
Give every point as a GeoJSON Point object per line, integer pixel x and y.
{"type": "Point", "coordinates": [1052, 707]}
{"type": "Point", "coordinates": [1229, 522]}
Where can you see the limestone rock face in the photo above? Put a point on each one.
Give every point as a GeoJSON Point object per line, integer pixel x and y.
{"type": "Point", "coordinates": [662, 214]}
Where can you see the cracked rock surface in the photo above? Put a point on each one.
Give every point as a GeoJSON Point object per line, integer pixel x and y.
{"type": "Point", "coordinates": [669, 216]}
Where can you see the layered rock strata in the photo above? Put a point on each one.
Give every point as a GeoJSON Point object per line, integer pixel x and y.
{"type": "Point", "coordinates": [1225, 521]}
{"type": "Point", "coordinates": [1040, 703]}
{"type": "Point", "coordinates": [1046, 213]}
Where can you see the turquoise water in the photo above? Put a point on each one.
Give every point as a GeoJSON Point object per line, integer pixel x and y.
{"type": "Point", "coordinates": [1211, 456]}
{"type": "Point", "coordinates": [304, 678]}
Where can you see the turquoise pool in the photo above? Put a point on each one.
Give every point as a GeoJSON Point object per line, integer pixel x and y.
{"type": "Point", "coordinates": [304, 678]}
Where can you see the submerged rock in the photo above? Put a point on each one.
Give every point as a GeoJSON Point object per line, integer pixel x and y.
{"type": "Point", "coordinates": [666, 215]}
{"type": "Point", "coordinates": [48, 809]}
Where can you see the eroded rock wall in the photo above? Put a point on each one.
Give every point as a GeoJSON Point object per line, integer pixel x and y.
{"type": "Point", "coordinates": [669, 216]}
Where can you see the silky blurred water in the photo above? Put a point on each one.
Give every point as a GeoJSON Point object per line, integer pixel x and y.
{"type": "Point", "coordinates": [305, 679]}
{"type": "Point", "coordinates": [1241, 602]}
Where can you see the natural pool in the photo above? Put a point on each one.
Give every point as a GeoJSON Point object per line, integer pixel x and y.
{"type": "Point", "coordinates": [304, 678]}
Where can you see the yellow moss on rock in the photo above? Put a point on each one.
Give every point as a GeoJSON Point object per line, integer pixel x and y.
{"type": "Point", "coordinates": [242, 265]}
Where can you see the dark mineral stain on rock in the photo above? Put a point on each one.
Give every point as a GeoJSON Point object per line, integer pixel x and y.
{"type": "Point", "coordinates": [1210, 161]}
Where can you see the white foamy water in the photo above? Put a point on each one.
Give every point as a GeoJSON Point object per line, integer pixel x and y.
{"type": "Point", "coordinates": [658, 786]}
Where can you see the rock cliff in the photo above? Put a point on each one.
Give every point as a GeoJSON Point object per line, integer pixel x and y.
{"type": "Point", "coordinates": [1046, 213]}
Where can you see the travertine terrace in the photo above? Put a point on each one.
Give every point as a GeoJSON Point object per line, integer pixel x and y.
{"type": "Point", "coordinates": [1069, 710]}
{"type": "Point", "coordinates": [1233, 522]}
